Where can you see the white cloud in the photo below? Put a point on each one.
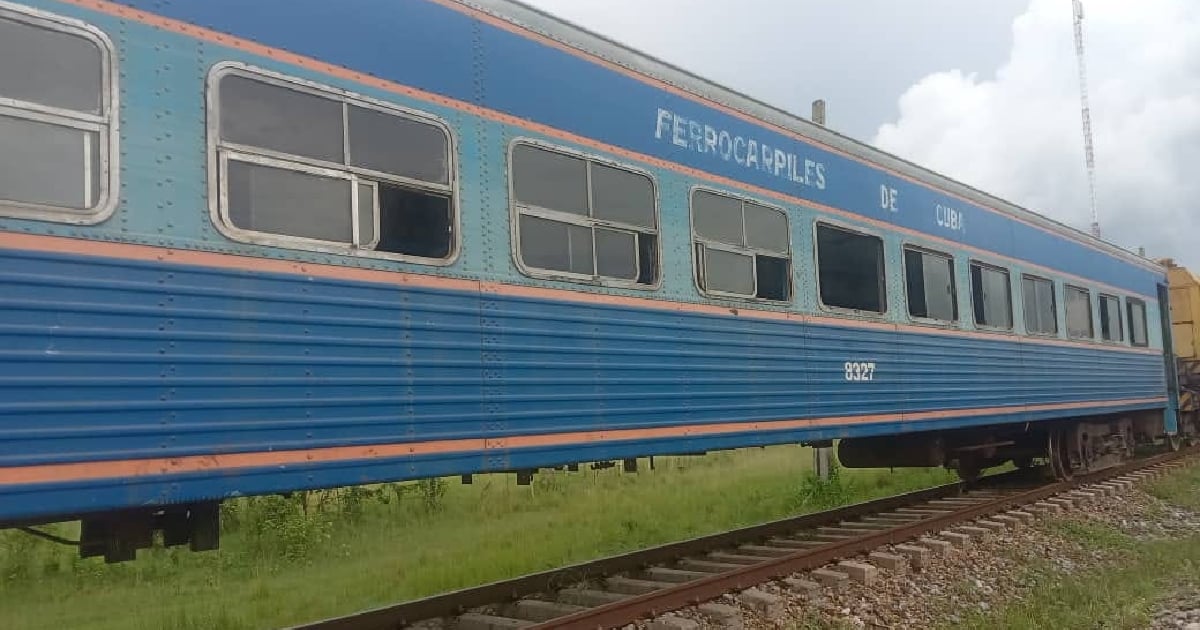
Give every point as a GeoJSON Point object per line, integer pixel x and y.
{"type": "Point", "coordinates": [1018, 135]}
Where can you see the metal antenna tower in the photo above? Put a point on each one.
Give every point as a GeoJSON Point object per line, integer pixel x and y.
{"type": "Point", "coordinates": [1089, 154]}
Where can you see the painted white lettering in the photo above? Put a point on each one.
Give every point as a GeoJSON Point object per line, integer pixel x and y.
{"type": "Point", "coordinates": [696, 136]}
{"type": "Point", "coordinates": [949, 218]}
{"type": "Point", "coordinates": [887, 198]}
{"type": "Point", "coordinates": [710, 139]}
{"type": "Point", "coordinates": [664, 123]}
{"type": "Point", "coordinates": [748, 152]}
{"type": "Point", "coordinates": [679, 131]}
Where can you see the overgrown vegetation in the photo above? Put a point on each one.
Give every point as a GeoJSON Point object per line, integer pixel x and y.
{"type": "Point", "coordinates": [309, 555]}
{"type": "Point", "coordinates": [1181, 488]}
{"type": "Point", "coordinates": [1124, 593]}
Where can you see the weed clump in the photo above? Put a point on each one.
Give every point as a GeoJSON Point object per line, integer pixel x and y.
{"type": "Point", "coordinates": [818, 494]}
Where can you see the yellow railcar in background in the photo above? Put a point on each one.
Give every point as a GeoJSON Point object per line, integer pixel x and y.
{"type": "Point", "coordinates": [1185, 319]}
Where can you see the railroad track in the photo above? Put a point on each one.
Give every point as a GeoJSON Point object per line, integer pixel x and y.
{"type": "Point", "coordinates": [615, 591]}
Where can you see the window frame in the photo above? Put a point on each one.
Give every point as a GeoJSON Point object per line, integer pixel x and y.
{"type": "Point", "coordinates": [106, 124]}
{"type": "Point", "coordinates": [219, 153]}
{"type": "Point", "coordinates": [515, 211]}
{"type": "Point", "coordinates": [883, 277]}
{"type": "Point", "coordinates": [1091, 312]}
{"type": "Point", "coordinates": [1012, 315]}
{"type": "Point", "coordinates": [932, 321]}
{"type": "Point", "coordinates": [697, 239]}
{"type": "Point", "coordinates": [1129, 302]}
{"type": "Point", "coordinates": [1120, 340]}
{"type": "Point", "coordinates": [1024, 306]}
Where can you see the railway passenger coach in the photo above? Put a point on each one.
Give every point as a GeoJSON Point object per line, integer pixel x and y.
{"type": "Point", "coordinates": [251, 248]}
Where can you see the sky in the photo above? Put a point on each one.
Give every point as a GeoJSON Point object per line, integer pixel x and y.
{"type": "Point", "coordinates": [986, 92]}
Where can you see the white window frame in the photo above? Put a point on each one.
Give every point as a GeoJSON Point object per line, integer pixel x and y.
{"type": "Point", "coordinates": [105, 124]}
{"type": "Point", "coordinates": [220, 153]}
{"type": "Point", "coordinates": [883, 273]}
{"type": "Point", "coordinates": [517, 209]}
{"type": "Point", "coordinates": [752, 252]}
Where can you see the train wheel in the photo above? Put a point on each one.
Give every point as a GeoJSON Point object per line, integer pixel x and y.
{"type": "Point", "coordinates": [1060, 455]}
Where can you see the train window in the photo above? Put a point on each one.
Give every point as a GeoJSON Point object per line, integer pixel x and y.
{"type": "Point", "coordinates": [1111, 327]}
{"type": "Point", "coordinates": [929, 278]}
{"type": "Point", "coordinates": [1136, 310]}
{"type": "Point", "coordinates": [57, 120]}
{"type": "Point", "coordinates": [1079, 313]}
{"type": "Point", "coordinates": [322, 168]}
{"type": "Point", "coordinates": [374, 136]}
{"type": "Point", "coordinates": [584, 219]}
{"type": "Point", "coordinates": [547, 244]}
{"type": "Point", "coordinates": [622, 197]}
{"type": "Point", "coordinates": [279, 118]}
{"type": "Point", "coordinates": [1041, 307]}
{"type": "Point", "coordinates": [284, 201]}
{"type": "Point", "coordinates": [991, 296]}
{"type": "Point", "coordinates": [729, 272]}
{"type": "Point", "coordinates": [850, 269]}
{"type": "Point", "coordinates": [742, 247]}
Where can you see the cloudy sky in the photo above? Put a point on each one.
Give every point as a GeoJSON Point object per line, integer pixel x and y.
{"type": "Point", "coordinates": [985, 92]}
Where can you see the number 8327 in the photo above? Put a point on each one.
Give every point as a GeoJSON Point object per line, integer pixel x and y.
{"type": "Point", "coordinates": [859, 371]}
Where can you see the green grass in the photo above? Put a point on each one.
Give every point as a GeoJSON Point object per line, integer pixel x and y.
{"type": "Point", "coordinates": [1121, 594]}
{"type": "Point", "coordinates": [1181, 488]}
{"type": "Point", "coordinates": [286, 561]}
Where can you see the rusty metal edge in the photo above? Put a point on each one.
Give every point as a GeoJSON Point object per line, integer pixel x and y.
{"type": "Point", "coordinates": [690, 593]}
{"type": "Point", "coordinates": [457, 602]}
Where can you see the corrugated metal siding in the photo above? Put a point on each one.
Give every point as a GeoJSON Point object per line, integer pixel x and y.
{"type": "Point", "coordinates": [104, 359]}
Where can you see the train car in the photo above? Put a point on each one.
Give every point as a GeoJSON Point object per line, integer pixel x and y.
{"type": "Point", "coordinates": [1185, 331]}
{"type": "Point", "coordinates": [252, 248]}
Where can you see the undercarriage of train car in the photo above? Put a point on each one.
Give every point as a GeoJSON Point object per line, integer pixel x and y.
{"type": "Point", "coordinates": [1189, 399]}
{"type": "Point", "coordinates": [1067, 447]}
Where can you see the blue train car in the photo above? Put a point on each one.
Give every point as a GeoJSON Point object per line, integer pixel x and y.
{"type": "Point", "coordinates": [251, 248]}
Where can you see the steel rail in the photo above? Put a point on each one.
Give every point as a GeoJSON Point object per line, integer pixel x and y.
{"type": "Point", "coordinates": [690, 593]}
{"type": "Point", "coordinates": [457, 602]}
